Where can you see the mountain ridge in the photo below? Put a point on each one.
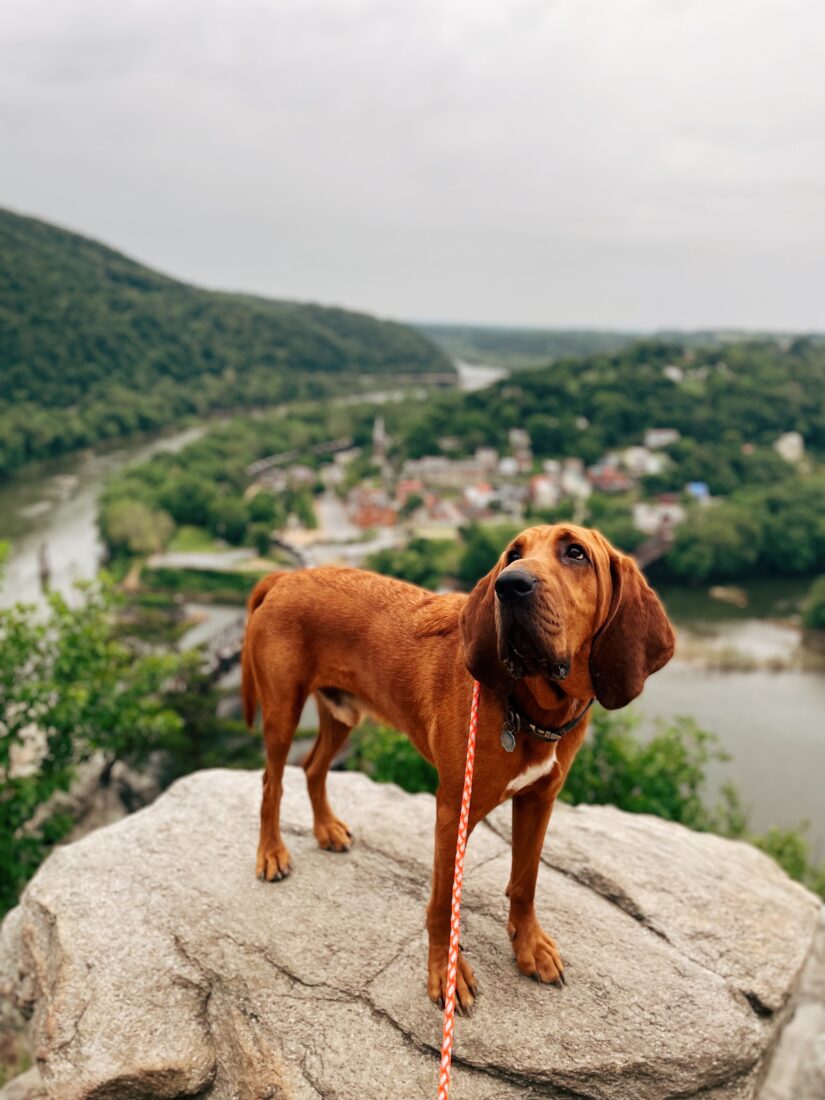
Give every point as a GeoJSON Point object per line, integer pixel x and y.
{"type": "Point", "coordinates": [95, 345]}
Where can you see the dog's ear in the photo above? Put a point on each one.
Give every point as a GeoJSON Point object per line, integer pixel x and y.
{"type": "Point", "coordinates": [479, 635]}
{"type": "Point", "coordinates": [635, 640]}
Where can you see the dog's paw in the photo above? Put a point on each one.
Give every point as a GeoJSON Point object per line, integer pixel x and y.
{"type": "Point", "coordinates": [333, 835]}
{"type": "Point", "coordinates": [273, 864]}
{"type": "Point", "coordinates": [466, 986]}
{"type": "Point", "coordinates": [537, 955]}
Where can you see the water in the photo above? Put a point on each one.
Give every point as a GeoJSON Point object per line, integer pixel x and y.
{"type": "Point", "coordinates": [56, 506]}
{"type": "Point", "coordinates": [771, 724]}
{"type": "Point", "coordinates": [477, 376]}
{"type": "Point", "coordinates": [770, 718]}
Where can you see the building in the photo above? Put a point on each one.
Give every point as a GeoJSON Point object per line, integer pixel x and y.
{"type": "Point", "coordinates": [441, 472]}
{"type": "Point", "coordinates": [573, 480]}
{"type": "Point", "coordinates": [656, 438]}
{"type": "Point", "coordinates": [544, 491]}
{"type": "Point", "coordinates": [790, 446]}
{"type": "Point", "coordinates": [654, 517]}
{"type": "Point", "coordinates": [487, 457]}
{"type": "Point", "coordinates": [606, 477]}
{"type": "Point", "coordinates": [642, 462]}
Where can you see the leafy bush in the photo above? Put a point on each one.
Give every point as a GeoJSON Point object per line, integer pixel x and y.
{"type": "Point", "coordinates": [813, 613]}
{"type": "Point", "coordinates": [664, 776]}
{"type": "Point", "coordinates": [483, 545]}
{"type": "Point", "coordinates": [427, 562]}
{"type": "Point", "coordinates": [68, 686]}
{"type": "Point", "coordinates": [387, 756]}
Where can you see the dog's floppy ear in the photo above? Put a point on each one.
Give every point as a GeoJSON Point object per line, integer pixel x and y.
{"type": "Point", "coordinates": [635, 640]}
{"type": "Point", "coordinates": [479, 636]}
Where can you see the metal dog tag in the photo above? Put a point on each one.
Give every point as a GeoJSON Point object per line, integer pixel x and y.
{"type": "Point", "coordinates": [508, 732]}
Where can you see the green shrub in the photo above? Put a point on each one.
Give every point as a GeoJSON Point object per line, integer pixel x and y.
{"type": "Point", "coordinates": [423, 561]}
{"type": "Point", "coordinates": [68, 685]}
{"type": "Point", "coordinates": [388, 757]}
{"type": "Point", "coordinates": [813, 613]}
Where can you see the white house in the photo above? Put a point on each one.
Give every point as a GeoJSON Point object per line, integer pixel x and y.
{"type": "Point", "coordinates": [790, 446]}
{"type": "Point", "coordinates": [655, 438]}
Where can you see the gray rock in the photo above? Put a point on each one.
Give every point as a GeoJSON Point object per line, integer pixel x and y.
{"type": "Point", "coordinates": [155, 965]}
{"type": "Point", "coordinates": [797, 1068]}
{"type": "Point", "coordinates": [26, 1086]}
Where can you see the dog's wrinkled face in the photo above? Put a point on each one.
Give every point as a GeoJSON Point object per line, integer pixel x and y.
{"type": "Point", "coordinates": [563, 605]}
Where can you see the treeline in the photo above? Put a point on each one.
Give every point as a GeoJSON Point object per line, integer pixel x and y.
{"type": "Point", "coordinates": [530, 347]}
{"type": "Point", "coordinates": [522, 347]}
{"type": "Point", "coordinates": [95, 346]}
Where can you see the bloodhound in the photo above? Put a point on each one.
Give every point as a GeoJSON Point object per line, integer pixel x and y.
{"type": "Point", "coordinates": [561, 619]}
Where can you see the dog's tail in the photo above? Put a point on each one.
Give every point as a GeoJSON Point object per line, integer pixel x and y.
{"type": "Point", "coordinates": [248, 693]}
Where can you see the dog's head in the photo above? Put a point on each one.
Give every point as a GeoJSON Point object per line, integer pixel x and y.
{"type": "Point", "coordinates": [563, 604]}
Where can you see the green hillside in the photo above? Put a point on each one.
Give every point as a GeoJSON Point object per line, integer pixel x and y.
{"type": "Point", "coordinates": [96, 346]}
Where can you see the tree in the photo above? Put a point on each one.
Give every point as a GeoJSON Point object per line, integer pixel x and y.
{"type": "Point", "coordinates": [721, 541]}
{"type": "Point", "coordinates": [133, 526]}
{"type": "Point", "coordinates": [482, 549]}
{"type": "Point", "coordinates": [68, 686]}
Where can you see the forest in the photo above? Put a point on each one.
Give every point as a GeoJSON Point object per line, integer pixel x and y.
{"type": "Point", "coordinates": [94, 346]}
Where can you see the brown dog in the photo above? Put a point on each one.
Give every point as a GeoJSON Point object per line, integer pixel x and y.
{"type": "Point", "coordinates": [562, 618]}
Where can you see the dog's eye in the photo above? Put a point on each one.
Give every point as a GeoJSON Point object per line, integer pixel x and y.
{"type": "Point", "coordinates": [513, 555]}
{"type": "Point", "coordinates": [575, 552]}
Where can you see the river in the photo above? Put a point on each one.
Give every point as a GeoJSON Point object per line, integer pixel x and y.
{"type": "Point", "coordinates": [55, 506]}
{"type": "Point", "coordinates": [769, 720]}
{"type": "Point", "coordinates": [770, 717]}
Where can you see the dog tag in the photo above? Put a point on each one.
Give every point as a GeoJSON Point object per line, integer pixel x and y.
{"type": "Point", "coordinates": [508, 733]}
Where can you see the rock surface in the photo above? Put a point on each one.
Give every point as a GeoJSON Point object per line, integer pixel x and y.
{"type": "Point", "coordinates": [155, 965]}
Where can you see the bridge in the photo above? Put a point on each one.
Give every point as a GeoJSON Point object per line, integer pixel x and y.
{"type": "Point", "coordinates": [329, 447]}
{"type": "Point", "coordinates": [654, 548]}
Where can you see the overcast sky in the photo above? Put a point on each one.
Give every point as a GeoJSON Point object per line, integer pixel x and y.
{"type": "Point", "coordinates": [630, 163]}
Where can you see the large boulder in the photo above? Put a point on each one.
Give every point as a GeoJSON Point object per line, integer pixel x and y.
{"type": "Point", "coordinates": [154, 964]}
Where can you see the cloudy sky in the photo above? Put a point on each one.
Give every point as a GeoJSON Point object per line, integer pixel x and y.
{"type": "Point", "coordinates": [631, 163]}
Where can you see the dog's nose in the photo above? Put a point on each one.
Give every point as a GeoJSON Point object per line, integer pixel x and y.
{"type": "Point", "coordinates": [514, 584]}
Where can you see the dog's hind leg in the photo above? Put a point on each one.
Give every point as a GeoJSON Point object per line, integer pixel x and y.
{"type": "Point", "coordinates": [273, 862]}
{"type": "Point", "coordinates": [330, 832]}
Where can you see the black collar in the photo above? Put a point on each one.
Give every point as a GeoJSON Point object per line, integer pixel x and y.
{"type": "Point", "coordinates": [516, 720]}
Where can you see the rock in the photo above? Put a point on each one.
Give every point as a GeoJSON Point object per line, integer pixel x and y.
{"type": "Point", "coordinates": [27, 1086]}
{"type": "Point", "coordinates": [155, 965]}
{"type": "Point", "coordinates": [797, 1069]}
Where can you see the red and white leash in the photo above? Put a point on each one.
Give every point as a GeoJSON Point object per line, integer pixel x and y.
{"type": "Point", "coordinates": [455, 915]}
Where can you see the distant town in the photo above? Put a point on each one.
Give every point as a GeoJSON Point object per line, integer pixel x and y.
{"type": "Point", "coordinates": [436, 495]}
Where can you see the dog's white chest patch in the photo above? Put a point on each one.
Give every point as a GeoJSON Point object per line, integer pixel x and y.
{"type": "Point", "coordinates": [531, 774]}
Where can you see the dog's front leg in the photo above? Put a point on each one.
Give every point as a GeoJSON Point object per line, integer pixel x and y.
{"type": "Point", "coordinates": [536, 953]}
{"type": "Point", "coordinates": [438, 911]}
